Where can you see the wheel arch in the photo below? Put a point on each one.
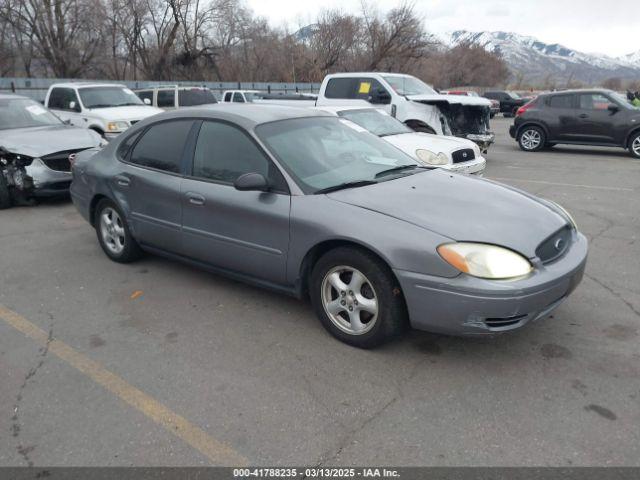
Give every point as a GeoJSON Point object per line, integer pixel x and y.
{"type": "Point", "coordinates": [93, 205]}
{"type": "Point", "coordinates": [533, 123]}
{"type": "Point", "coordinates": [320, 248]}
{"type": "Point", "coordinates": [632, 132]}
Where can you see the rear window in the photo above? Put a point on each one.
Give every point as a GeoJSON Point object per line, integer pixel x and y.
{"type": "Point", "coordinates": [560, 101]}
{"type": "Point", "coordinates": [195, 96]}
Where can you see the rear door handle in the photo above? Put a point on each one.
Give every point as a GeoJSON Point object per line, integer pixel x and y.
{"type": "Point", "coordinates": [123, 181]}
{"type": "Point", "coordinates": [195, 198]}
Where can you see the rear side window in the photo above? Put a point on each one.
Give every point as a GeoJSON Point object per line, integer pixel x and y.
{"type": "Point", "coordinates": [224, 152]}
{"type": "Point", "coordinates": [227, 97]}
{"type": "Point", "coordinates": [61, 98]}
{"type": "Point", "coordinates": [561, 101]}
{"type": "Point", "coordinates": [126, 145]}
{"type": "Point", "coordinates": [166, 98]}
{"type": "Point", "coordinates": [341, 88]}
{"type": "Point", "coordinates": [195, 96]}
{"type": "Point", "coordinates": [162, 145]}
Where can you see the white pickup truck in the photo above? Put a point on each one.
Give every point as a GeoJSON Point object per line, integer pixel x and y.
{"type": "Point", "coordinates": [413, 102]}
{"type": "Point", "coordinates": [107, 108]}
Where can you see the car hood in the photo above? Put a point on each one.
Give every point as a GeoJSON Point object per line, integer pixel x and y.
{"type": "Point", "coordinates": [125, 113]}
{"type": "Point", "coordinates": [40, 141]}
{"type": "Point", "coordinates": [410, 142]}
{"type": "Point", "coordinates": [461, 208]}
{"type": "Point", "coordinates": [452, 99]}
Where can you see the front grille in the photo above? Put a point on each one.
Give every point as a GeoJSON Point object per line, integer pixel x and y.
{"type": "Point", "coordinates": [554, 247]}
{"type": "Point", "coordinates": [463, 155]}
{"type": "Point", "coordinates": [59, 161]}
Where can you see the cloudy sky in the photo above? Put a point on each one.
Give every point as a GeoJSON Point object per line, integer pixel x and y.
{"type": "Point", "coordinates": [593, 26]}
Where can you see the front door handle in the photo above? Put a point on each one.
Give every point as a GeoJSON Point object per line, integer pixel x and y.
{"type": "Point", "coordinates": [123, 181]}
{"type": "Point", "coordinates": [195, 198]}
{"type": "Point", "coordinates": [583, 115]}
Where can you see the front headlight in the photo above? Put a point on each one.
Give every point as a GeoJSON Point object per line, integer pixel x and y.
{"type": "Point", "coordinates": [485, 261]}
{"type": "Point", "coordinates": [431, 158]}
{"type": "Point", "coordinates": [117, 126]}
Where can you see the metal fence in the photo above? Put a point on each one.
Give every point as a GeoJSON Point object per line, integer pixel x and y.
{"type": "Point", "coordinates": [36, 88]}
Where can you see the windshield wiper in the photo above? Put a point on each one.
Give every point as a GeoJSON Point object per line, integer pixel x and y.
{"type": "Point", "coordinates": [129, 104]}
{"type": "Point", "coordinates": [342, 186]}
{"type": "Point", "coordinates": [396, 169]}
{"type": "Point", "coordinates": [99, 105]}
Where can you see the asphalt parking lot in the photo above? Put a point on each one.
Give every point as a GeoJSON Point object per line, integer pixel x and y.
{"type": "Point", "coordinates": [156, 363]}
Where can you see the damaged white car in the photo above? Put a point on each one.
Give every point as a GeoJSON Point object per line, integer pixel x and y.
{"type": "Point", "coordinates": [413, 102]}
{"type": "Point", "coordinates": [36, 150]}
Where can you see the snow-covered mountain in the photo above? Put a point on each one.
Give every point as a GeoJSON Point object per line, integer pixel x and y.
{"type": "Point", "coordinates": [536, 61]}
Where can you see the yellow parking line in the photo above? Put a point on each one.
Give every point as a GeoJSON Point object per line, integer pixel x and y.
{"type": "Point", "coordinates": [216, 451]}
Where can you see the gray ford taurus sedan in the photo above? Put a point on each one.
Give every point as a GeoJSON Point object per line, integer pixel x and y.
{"type": "Point", "coordinates": [295, 200]}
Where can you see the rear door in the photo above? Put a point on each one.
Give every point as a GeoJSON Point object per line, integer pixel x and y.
{"type": "Point", "coordinates": [560, 115]}
{"type": "Point", "coordinates": [246, 232]}
{"type": "Point", "coordinates": [149, 180]}
{"type": "Point", "coordinates": [595, 122]}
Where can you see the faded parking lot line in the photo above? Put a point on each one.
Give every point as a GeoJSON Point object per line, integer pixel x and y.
{"type": "Point", "coordinates": [542, 182]}
{"type": "Point", "coordinates": [216, 451]}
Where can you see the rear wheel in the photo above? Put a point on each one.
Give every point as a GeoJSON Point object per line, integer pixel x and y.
{"type": "Point", "coordinates": [531, 139]}
{"type": "Point", "coordinates": [114, 235]}
{"type": "Point", "coordinates": [634, 145]}
{"type": "Point", "coordinates": [5, 194]}
{"type": "Point", "coordinates": [357, 298]}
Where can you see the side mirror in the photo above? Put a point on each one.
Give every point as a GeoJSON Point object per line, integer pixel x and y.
{"type": "Point", "coordinates": [251, 182]}
{"type": "Point", "coordinates": [147, 101]}
{"type": "Point", "coordinates": [613, 108]}
{"type": "Point", "coordinates": [74, 106]}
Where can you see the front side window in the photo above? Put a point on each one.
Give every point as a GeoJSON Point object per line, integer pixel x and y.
{"type": "Point", "coordinates": [166, 98]}
{"type": "Point", "coordinates": [23, 113]}
{"type": "Point", "coordinates": [408, 85]}
{"type": "Point", "coordinates": [237, 97]}
{"type": "Point", "coordinates": [62, 98]}
{"type": "Point", "coordinates": [340, 88]}
{"type": "Point", "coordinates": [376, 122]}
{"type": "Point", "coordinates": [162, 145]}
{"type": "Point", "coordinates": [594, 101]}
{"type": "Point", "coordinates": [227, 97]}
{"type": "Point", "coordinates": [105, 97]}
{"type": "Point", "coordinates": [324, 152]}
{"type": "Point", "coordinates": [223, 153]}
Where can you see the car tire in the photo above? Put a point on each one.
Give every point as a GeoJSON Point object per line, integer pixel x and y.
{"type": "Point", "coordinates": [531, 139]}
{"type": "Point", "coordinates": [634, 145]}
{"type": "Point", "coordinates": [357, 298]}
{"type": "Point", "coordinates": [113, 233]}
{"type": "Point", "coordinates": [5, 194]}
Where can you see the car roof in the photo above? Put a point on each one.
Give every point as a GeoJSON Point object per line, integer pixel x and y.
{"type": "Point", "coordinates": [344, 108]}
{"type": "Point", "coordinates": [579, 90]}
{"type": "Point", "coordinates": [86, 85]}
{"type": "Point", "coordinates": [361, 74]}
{"type": "Point", "coordinates": [244, 114]}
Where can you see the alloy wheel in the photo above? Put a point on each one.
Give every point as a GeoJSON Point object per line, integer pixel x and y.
{"type": "Point", "coordinates": [635, 146]}
{"type": "Point", "coordinates": [349, 300]}
{"type": "Point", "coordinates": [530, 139]}
{"type": "Point", "coordinates": [112, 230]}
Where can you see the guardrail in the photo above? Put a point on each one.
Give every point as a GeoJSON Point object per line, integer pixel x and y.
{"type": "Point", "coordinates": [36, 88]}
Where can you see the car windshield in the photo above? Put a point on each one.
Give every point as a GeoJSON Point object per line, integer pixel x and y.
{"type": "Point", "coordinates": [407, 85]}
{"type": "Point", "coordinates": [104, 97]}
{"type": "Point", "coordinates": [324, 153]}
{"type": "Point", "coordinates": [622, 100]}
{"type": "Point", "coordinates": [23, 113]}
{"type": "Point", "coordinates": [376, 122]}
{"type": "Point", "coordinates": [195, 96]}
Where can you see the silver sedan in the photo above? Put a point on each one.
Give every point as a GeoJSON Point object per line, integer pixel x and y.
{"type": "Point", "coordinates": [297, 201]}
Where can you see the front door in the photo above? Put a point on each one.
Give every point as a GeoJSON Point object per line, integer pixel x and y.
{"type": "Point", "coordinates": [149, 183]}
{"type": "Point", "coordinates": [246, 232]}
{"type": "Point", "coordinates": [595, 123]}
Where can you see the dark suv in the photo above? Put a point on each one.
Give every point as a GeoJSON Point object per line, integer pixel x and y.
{"type": "Point", "coordinates": [509, 101]}
{"type": "Point", "coordinates": [578, 117]}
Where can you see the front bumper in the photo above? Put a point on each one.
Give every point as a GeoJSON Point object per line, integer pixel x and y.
{"type": "Point", "coordinates": [472, 167]}
{"type": "Point", "coordinates": [466, 305]}
{"type": "Point", "coordinates": [48, 182]}
{"type": "Point", "coordinates": [512, 131]}
{"type": "Point", "coordinates": [483, 140]}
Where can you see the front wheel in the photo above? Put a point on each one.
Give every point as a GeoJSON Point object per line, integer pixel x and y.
{"type": "Point", "coordinates": [531, 139]}
{"type": "Point", "coordinates": [634, 145]}
{"type": "Point", "coordinates": [114, 235]}
{"type": "Point", "coordinates": [357, 298]}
